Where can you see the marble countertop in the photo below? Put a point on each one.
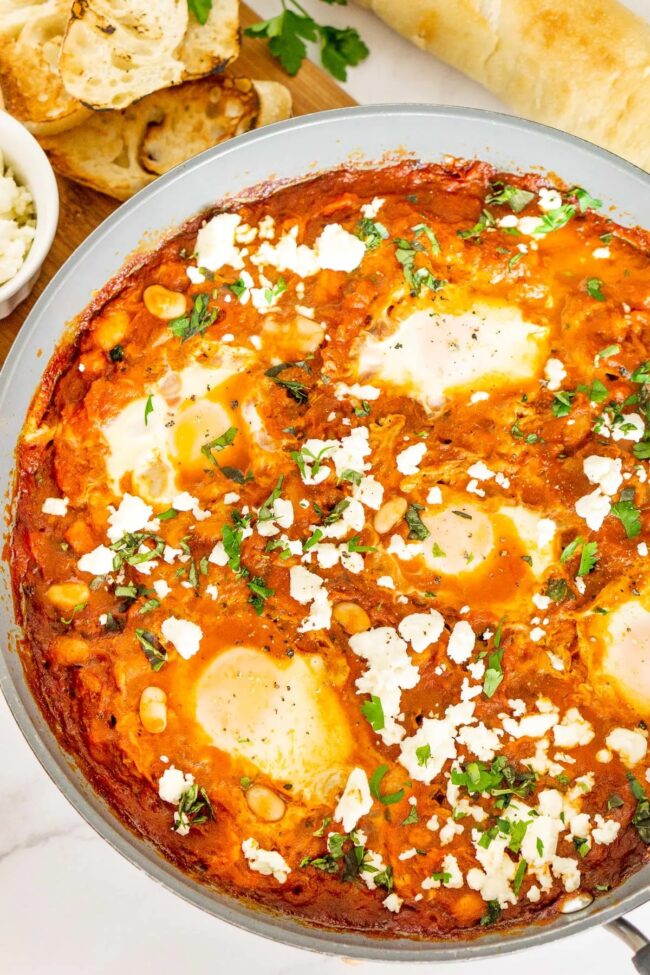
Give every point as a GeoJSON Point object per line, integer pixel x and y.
{"type": "Point", "coordinates": [69, 904]}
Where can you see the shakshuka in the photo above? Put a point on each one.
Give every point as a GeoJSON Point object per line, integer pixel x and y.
{"type": "Point", "coordinates": [330, 548]}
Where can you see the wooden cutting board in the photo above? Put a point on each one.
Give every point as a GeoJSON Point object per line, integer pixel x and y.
{"type": "Point", "coordinates": [83, 209]}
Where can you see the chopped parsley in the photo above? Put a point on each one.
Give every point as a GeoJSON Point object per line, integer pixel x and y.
{"type": "Point", "coordinates": [270, 294]}
{"type": "Point", "coordinates": [492, 914]}
{"type": "Point", "coordinates": [194, 808]}
{"type": "Point", "coordinates": [237, 287]}
{"type": "Point", "coordinates": [373, 712]}
{"type": "Point", "coordinates": [562, 401]}
{"type": "Point", "coordinates": [259, 594]}
{"type": "Point", "coordinates": [423, 754]}
{"type": "Point", "coordinates": [371, 232]}
{"type": "Point", "coordinates": [596, 393]}
{"type": "Point", "coordinates": [494, 671]}
{"type": "Point", "coordinates": [218, 444]}
{"type": "Point", "coordinates": [627, 513]}
{"type": "Point", "coordinates": [522, 867]}
{"type": "Point", "coordinates": [387, 798]}
{"type": "Point", "coordinates": [556, 219]}
{"type": "Point", "coordinates": [421, 228]}
{"type": "Point", "coordinates": [200, 318]}
{"type": "Point", "coordinates": [474, 233]}
{"type": "Point", "coordinates": [416, 278]}
{"type": "Point", "coordinates": [412, 817]}
{"type": "Point", "coordinates": [641, 818]}
{"type": "Point", "coordinates": [267, 510]}
{"type": "Point", "coordinates": [294, 388]}
{"type": "Point", "coordinates": [581, 844]}
{"type": "Point", "coordinates": [148, 409]}
{"type": "Point", "coordinates": [304, 456]}
{"type": "Point", "coordinates": [363, 409]}
{"type": "Point", "coordinates": [588, 554]}
{"type": "Point", "coordinates": [587, 202]}
{"type": "Point", "coordinates": [608, 351]}
{"type": "Point", "coordinates": [337, 512]}
{"type": "Point", "coordinates": [594, 289]}
{"type": "Point", "coordinates": [417, 528]}
{"type": "Point", "coordinates": [152, 648]}
{"type": "Point", "coordinates": [516, 198]}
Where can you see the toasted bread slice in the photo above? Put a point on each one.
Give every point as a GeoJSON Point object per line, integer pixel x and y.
{"type": "Point", "coordinates": [120, 152]}
{"type": "Point", "coordinates": [31, 34]}
{"type": "Point", "coordinates": [206, 114]}
{"type": "Point", "coordinates": [209, 47]}
{"type": "Point", "coordinates": [116, 51]}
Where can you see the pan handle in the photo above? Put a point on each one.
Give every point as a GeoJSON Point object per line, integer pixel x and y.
{"type": "Point", "coordinates": [635, 940]}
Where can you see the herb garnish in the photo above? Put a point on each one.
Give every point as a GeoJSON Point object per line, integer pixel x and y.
{"type": "Point", "coordinates": [371, 232]}
{"type": "Point", "coordinates": [200, 318]}
{"type": "Point", "coordinates": [641, 818]}
{"type": "Point", "coordinates": [516, 198]}
{"type": "Point", "coordinates": [387, 798]}
{"type": "Point", "coordinates": [416, 278]}
{"type": "Point", "coordinates": [152, 648]}
{"type": "Point", "coordinates": [148, 409]}
{"type": "Point", "coordinates": [494, 671]}
{"type": "Point", "coordinates": [588, 554]}
{"type": "Point", "coordinates": [557, 590]}
{"type": "Point", "coordinates": [194, 808]}
{"type": "Point", "coordinates": [585, 200]}
{"type": "Point", "coordinates": [417, 528]}
{"type": "Point", "coordinates": [218, 444]}
{"type": "Point", "coordinates": [492, 914]}
{"type": "Point", "coordinates": [200, 9]}
{"type": "Point", "coordinates": [259, 594]}
{"type": "Point", "coordinates": [286, 33]}
{"type": "Point", "coordinates": [373, 712]}
{"type": "Point", "coordinates": [295, 389]}
{"type": "Point", "coordinates": [594, 289]}
{"type": "Point", "coordinates": [474, 233]}
{"type": "Point", "coordinates": [627, 513]}
{"type": "Point", "coordinates": [267, 509]}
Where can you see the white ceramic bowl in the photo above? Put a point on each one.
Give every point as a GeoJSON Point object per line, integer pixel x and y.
{"type": "Point", "coordinates": [32, 169]}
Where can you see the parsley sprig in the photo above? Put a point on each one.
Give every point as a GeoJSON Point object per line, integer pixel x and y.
{"type": "Point", "coordinates": [286, 33]}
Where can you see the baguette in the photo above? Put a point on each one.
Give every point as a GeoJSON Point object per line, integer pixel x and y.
{"type": "Point", "coordinates": [31, 35]}
{"type": "Point", "coordinates": [120, 152]}
{"type": "Point", "coordinates": [582, 66]}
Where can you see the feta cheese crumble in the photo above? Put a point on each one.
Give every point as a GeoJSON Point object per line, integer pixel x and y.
{"type": "Point", "coordinates": [355, 802]}
{"type": "Point", "coordinates": [269, 863]}
{"type": "Point", "coordinates": [183, 634]}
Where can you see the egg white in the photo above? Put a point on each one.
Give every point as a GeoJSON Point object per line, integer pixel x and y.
{"type": "Point", "coordinates": [430, 354]}
{"type": "Point", "coordinates": [617, 645]}
{"type": "Point", "coordinates": [280, 715]}
{"type": "Point", "coordinates": [188, 409]}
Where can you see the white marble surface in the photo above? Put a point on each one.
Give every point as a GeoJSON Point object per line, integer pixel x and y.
{"type": "Point", "coordinates": [70, 905]}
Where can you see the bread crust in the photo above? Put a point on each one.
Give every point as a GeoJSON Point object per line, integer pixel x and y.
{"type": "Point", "coordinates": [120, 152]}
{"type": "Point", "coordinates": [583, 67]}
{"type": "Point", "coordinates": [30, 85]}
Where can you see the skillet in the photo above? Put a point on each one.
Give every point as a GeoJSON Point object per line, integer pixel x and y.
{"type": "Point", "coordinates": [289, 151]}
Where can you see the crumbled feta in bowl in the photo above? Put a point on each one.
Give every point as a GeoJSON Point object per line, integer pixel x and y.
{"type": "Point", "coordinates": [29, 211]}
{"type": "Point", "coordinates": [17, 222]}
